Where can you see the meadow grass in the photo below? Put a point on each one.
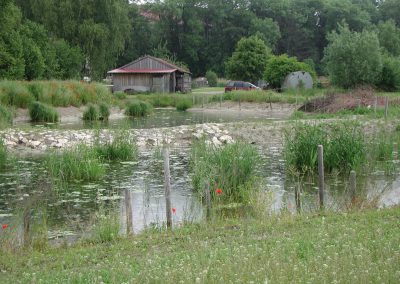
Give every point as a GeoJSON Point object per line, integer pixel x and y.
{"type": "Point", "coordinates": [231, 168]}
{"type": "Point", "coordinates": [163, 100]}
{"type": "Point", "coordinates": [356, 247]}
{"type": "Point", "coordinates": [344, 147]}
{"type": "Point", "coordinates": [22, 94]}
{"type": "Point", "coordinates": [40, 112]}
{"type": "Point", "coordinates": [80, 163]}
{"type": "Point", "coordinates": [138, 109]}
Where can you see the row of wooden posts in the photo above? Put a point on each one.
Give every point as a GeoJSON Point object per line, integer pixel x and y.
{"type": "Point", "coordinates": [167, 187]}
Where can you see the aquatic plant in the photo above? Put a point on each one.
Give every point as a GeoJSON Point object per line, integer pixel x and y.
{"type": "Point", "coordinates": [183, 105]}
{"type": "Point", "coordinates": [104, 111]}
{"type": "Point", "coordinates": [138, 109]}
{"type": "Point", "coordinates": [231, 169]}
{"type": "Point", "coordinates": [78, 163]}
{"type": "Point", "coordinates": [344, 146]}
{"type": "Point", "coordinates": [40, 112]}
{"type": "Point", "coordinates": [6, 117]}
{"type": "Point", "coordinates": [91, 114]}
{"type": "Point", "coordinates": [120, 149]}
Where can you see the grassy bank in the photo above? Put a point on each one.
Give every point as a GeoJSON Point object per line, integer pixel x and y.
{"type": "Point", "coordinates": [21, 94]}
{"type": "Point", "coordinates": [359, 247]}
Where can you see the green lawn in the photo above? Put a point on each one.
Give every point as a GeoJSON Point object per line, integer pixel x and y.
{"type": "Point", "coordinates": [208, 89]}
{"type": "Point", "coordinates": [359, 247]}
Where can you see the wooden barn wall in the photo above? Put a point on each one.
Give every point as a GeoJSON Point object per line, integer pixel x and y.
{"type": "Point", "coordinates": [148, 63]}
{"type": "Point", "coordinates": [132, 81]}
{"type": "Point", "coordinates": [161, 84]}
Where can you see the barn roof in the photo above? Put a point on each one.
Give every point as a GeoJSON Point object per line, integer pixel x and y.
{"type": "Point", "coordinates": [169, 67]}
{"type": "Point", "coordinates": [141, 71]}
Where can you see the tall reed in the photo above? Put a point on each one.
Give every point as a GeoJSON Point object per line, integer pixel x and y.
{"type": "Point", "coordinates": [40, 112]}
{"type": "Point", "coordinates": [231, 168]}
{"type": "Point", "coordinates": [122, 148]}
{"type": "Point", "coordinates": [78, 163]}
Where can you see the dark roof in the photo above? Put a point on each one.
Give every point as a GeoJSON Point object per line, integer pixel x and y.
{"type": "Point", "coordinates": [172, 67]}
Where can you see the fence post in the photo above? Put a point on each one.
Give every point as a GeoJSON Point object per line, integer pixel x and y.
{"type": "Point", "coordinates": [386, 106]}
{"type": "Point", "coordinates": [270, 101]}
{"type": "Point", "coordinates": [297, 197]}
{"type": "Point", "coordinates": [321, 179]}
{"type": "Point", "coordinates": [208, 200]}
{"type": "Point", "coordinates": [376, 104]}
{"type": "Point", "coordinates": [128, 212]}
{"type": "Point", "coordinates": [167, 181]}
{"type": "Point", "coordinates": [26, 227]}
{"type": "Point", "coordinates": [353, 185]}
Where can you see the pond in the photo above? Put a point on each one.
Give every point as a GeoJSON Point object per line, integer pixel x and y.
{"type": "Point", "coordinates": [70, 210]}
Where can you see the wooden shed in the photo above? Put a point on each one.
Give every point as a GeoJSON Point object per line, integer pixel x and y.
{"type": "Point", "coordinates": [151, 74]}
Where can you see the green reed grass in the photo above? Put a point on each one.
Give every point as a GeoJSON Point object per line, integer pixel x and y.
{"type": "Point", "coordinates": [3, 154]}
{"type": "Point", "coordinates": [183, 105]}
{"type": "Point", "coordinates": [91, 113]}
{"type": "Point", "coordinates": [138, 109]}
{"type": "Point", "coordinates": [6, 117]}
{"type": "Point", "coordinates": [105, 229]}
{"type": "Point", "coordinates": [231, 168]}
{"type": "Point", "coordinates": [104, 111]}
{"type": "Point", "coordinates": [75, 164]}
{"type": "Point", "coordinates": [122, 148]}
{"type": "Point", "coordinates": [344, 147]}
{"type": "Point", "coordinates": [163, 100]}
{"type": "Point", "coordinates": [40, 112]}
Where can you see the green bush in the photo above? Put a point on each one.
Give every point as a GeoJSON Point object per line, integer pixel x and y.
{"type": "Point", "coordinates": [40, 112]}
{"type": "Point", "coordinates": [5, 117]}
{"type": "Point", "coordinates": [212, 78]}
{"type": "Point", "coordinates": [91, 113]}
{"type": "Point", "coordinates": [390, 76]}
{"type": "Point", "coordinates": [344, 147]}
{"type": "Point", "coordinates": [231, 168]}
{"type": "Point", "coordinates": [138, 109]}
{"type": "Point", "coordinates": [104, 111]}
{"type": "Point", "coordinates": [183, 105]}
{"type": "Point", "coordinates": [278, 67]}
{"type": "Point", "coordinates": [79, 163]}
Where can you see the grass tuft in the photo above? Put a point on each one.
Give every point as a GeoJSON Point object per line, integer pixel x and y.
{"type": "Point", "coordinates": [183, 105]}
{"type": "Point", "coordinates": [40, 112]}
{"type": "Point", "coordinates": [138, 109]}
{"type": "Point", "coordinates": [91, 114]}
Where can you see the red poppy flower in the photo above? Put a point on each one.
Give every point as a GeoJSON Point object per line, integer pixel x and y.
{"type": "Point", "coordinates": [218, 191]}
{"type": "Point", "coordinates": [4, 226]}
{"type": "Point", "coordinates": [174, 210]}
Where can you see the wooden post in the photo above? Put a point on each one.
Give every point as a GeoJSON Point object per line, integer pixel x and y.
{"type": "Point", "coordinates": [128, 212]}
{"type": "Point", "coordinates": [386, 106]}
{"type": "Point", "coordinates": [376, 104]}
{"type": "Point", "coordinates": [321, 179]}
{"type": "Point", "coordinates": [208, 200]}
{"type": "Point", "coordinates": [167, 181]}
{"type": "Point", "coordinates": [27, 226]}
{"type": "Point", "coordinates": [353, 186]}
{"type": "Point", "coordinates": [297, 197]}
{"type": "Point", "coordinates": [270, 101]}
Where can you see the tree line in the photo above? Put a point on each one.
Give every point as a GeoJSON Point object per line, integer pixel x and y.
{"type": "Point", "coordinates": [45, 39]}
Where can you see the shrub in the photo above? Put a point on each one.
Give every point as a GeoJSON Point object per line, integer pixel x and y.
{"type": "Point", "coordinates": [120, 149]}
{"type": "Point", "coordinates": [390, 76]}
{"type": "Point", "coordinates": [344, 147]}
{"type": "Point", "coordinates": [212, 78]}
{"type": "Point", "coordinates": [79, 163]}
{"type": "Point", "coordinates": [138, 109]}
{"type": "Point", "coordinates": [278, 67]}
{"type": "Point", "coordinates": [104, 111]}
{"type": "Point", "coordinates": [40, 112]}
{"type": "Point", "coordinates": [5, 117]}
{"type": "Point", "coordinates": [91, 113]}
{"type": "Point", "coordinates": [231, 168]}
{"type": "Point", "coordinates": [183, 105]}
{"type": "Point", "coordinates": [353, 58]}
